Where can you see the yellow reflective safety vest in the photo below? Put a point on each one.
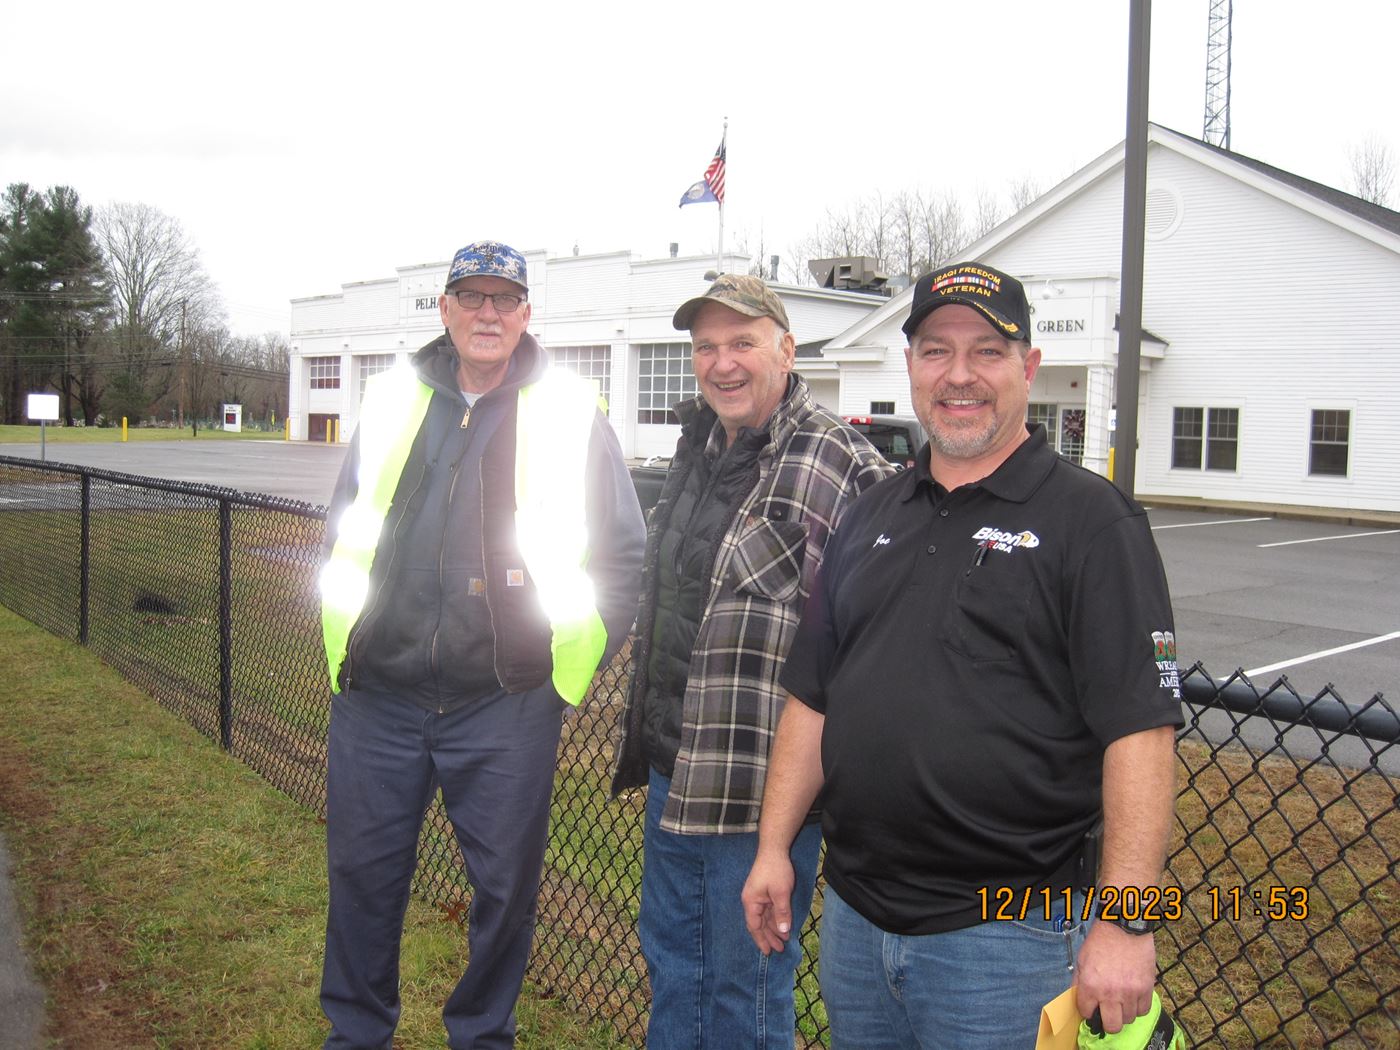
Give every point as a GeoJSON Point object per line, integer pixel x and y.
{"type": "Point", "coordinates": [554, 422]}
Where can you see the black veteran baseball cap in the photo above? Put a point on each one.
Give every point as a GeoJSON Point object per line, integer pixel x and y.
{"type": "Point", "coordinates": [999, 297]}
{"type": "Point", "coordinates": [740, 292]}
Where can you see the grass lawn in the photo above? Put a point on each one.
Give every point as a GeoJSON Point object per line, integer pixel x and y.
{"type": "Point", "coordinates": [172, 898]}
{"type": "Point", "coordinates": [54, 434]}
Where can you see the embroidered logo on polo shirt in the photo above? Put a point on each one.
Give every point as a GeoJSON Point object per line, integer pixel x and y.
{"type": "Point", "coordinates": [990, 537]}
{"type": "Point", "coordinates": [1164, 652]}
{"type": "Point", "coordinates": [880, 540]}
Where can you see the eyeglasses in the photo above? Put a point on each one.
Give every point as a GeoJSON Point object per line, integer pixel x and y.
{"type": "Point", "coordinates": [504, 302]}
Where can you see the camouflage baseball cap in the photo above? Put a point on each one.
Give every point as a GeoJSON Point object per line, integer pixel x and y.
{"type": "Point", "coordinates": [740, 292]}
{"type": "Point", "coordinates": [488, 259]}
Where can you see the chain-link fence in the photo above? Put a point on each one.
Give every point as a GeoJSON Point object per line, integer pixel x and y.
{"type": "Point", "coordinates": [1288, 829]}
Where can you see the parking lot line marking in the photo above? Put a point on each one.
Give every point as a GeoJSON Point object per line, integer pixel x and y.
{"type": "Point", "coordinates": [1193, 524]}
{"type": "Point", "coordinates": [1325, 652]}
{"type": "Point", "coordinates": [1344, 536]}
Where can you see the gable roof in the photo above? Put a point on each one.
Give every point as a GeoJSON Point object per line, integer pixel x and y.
{"type": "Point", "coordinates": [1370, 221]}
{"type": "Point", "coordinates": [1358, 206]}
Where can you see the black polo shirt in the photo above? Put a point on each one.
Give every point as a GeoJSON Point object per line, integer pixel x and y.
{"type": "Point", "coordinates": [974, 652]}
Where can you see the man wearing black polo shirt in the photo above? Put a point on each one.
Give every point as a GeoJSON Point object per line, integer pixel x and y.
{"type": "Point", "coordinates": [984, 671]}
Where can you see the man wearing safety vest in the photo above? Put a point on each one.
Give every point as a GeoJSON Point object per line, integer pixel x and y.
{"type": "Point", "coordinates": [485, 558]}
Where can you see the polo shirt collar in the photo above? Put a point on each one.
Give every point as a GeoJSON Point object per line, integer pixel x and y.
{"type": "Point", "coordinates": [1014, 481]}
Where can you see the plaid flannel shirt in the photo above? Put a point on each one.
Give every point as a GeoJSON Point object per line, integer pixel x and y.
{"type": "Point", "coordinates": [811, 468]}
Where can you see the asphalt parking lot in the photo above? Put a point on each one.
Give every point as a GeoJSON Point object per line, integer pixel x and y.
{"type": "Point", "coordinates": [300, 470]}
{"type": "Point", "coordinates": [1316, 602]}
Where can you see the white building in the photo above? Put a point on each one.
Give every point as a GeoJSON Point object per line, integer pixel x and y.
{"type": "Point", "coordinates": [1271, 307]}
{"type": "Point", "coordinates": [1270, 357]}
{"type": "Point", "coordinates": [607, 316]}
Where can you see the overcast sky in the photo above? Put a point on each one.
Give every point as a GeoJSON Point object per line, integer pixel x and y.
{"type": "Point", "coordinates": [306, 145]}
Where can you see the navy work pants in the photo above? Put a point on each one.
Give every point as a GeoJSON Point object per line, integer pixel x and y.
{"type": "Point", "coordinates": [494, 761]}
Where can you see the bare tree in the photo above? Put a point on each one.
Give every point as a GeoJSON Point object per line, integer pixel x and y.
{"type": "Point", "coordinates": [159, 291]}
{"type": "Point", "coordinates": [945, 230]}
{"type": "Point", "coordinates": [906, 219]}
{"type": "Point", "coordinates": [987, 213]}
{"type": "Point", "coordinates": [1372, 171]}
{"type": "Point", "coordinates": [1022, 191]}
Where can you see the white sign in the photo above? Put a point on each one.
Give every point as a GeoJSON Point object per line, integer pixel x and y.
{"type": "Point", "coordinates": [233, 418]}
{"type": "Point", "coordinates": [43, 406]}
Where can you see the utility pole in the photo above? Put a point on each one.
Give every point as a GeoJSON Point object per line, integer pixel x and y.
{"type": "Point", "coordinates": [184, 370]}
{"type": "Point", "coordinates": [1134, 243]}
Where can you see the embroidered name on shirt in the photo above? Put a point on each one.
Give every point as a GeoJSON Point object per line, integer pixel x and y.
{"type": "Point", "coordinates": [992, 538]}
{"type": "Point", "coordinates": [880, 540]}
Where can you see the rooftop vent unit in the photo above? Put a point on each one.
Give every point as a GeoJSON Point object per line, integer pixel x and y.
{"type": "Point", "coordinates": [851, 273]}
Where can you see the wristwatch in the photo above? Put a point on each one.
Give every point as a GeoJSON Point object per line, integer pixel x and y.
{"type": "Point", "coordinates": [1137, 925]}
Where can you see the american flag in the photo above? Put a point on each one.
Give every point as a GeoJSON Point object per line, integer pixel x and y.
{"type": "Point", "coordinates": [714, 174]}
{"type": "Point", "coordinates": [711, 187]}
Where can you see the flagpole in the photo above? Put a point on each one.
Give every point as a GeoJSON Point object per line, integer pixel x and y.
{"type": "Point", "coordinates": [719, 253]}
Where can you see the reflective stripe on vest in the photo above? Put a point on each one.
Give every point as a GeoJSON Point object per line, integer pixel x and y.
{"type": "Point", "coordinates": [392, 411]}
{"type": "Point", "coordinates": [553, 427]}
{"type": "Point", "coordinates": [554, 424]}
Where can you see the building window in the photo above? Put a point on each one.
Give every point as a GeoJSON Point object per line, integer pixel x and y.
{"type": "Point", "coordinates": [664, 377]}
{"type": "Point", "coordinates": [1188, 431]}
{"type": "Point", "coordinates": [882, 408]}
{"type": "Point", "coordinates": [1214, 432]}
{"type": "Point", "coordinates": [372, 365]}
{"type": "Point", "coordinates": [587, 362]}
{"type": "Point", "coordinates": [325, 372]}
{"type": "Point", "coordinates": [1331, 437]}
{"type": "Point", "coordinates": [1222, 438]}
{"type": "Point", "coordinates": [1045, 415]}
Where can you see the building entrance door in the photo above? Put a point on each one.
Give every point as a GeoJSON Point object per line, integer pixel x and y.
{"type": "Point", "coordinates": [323, 426]}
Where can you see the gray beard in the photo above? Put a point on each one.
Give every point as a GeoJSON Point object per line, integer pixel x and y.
{"type": "Point", "coordinates": [964, 442]}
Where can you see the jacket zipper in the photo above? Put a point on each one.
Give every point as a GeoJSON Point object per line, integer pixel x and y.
{"type": "Point", "coordinates": [364, 617]}
{"type": "Point", "coordinates": [442, 550]}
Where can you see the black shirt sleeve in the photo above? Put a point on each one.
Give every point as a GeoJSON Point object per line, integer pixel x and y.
{"type": "Point", "coordinates": [1121, 645]}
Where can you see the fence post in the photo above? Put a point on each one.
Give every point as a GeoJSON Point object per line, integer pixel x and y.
{"type": "Point", "coordinates": [84, 557]}
{"type": "Point", "coordinates": [226, 624]}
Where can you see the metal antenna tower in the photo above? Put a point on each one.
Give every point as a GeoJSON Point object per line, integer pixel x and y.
{"type": "Point", "coordinates": [1217, 123]}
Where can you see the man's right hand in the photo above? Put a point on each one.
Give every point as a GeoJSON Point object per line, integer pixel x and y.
{"type": "Point", "coordinates": [767, 900]}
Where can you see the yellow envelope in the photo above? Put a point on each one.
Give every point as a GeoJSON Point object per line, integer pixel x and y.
{"type": "Point", "coordinates": [1059, 1023]}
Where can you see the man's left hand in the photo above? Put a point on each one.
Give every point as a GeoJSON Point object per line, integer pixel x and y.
{"type": "Point", "coordinates": [1115, 975]}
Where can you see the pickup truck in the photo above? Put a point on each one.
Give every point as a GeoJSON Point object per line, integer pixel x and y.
{"type": "Point", "coordinates": [897, 438]}
{"type": "Point", "coordinates": [647, 478]}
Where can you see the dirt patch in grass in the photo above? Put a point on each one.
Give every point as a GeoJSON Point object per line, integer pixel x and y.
{"type": "Point", "coordinates": [82, 975]}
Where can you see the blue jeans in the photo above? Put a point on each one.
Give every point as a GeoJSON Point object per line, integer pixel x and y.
{"type": "Point", "coordinates": [494, 761]}
{"type": "Point", "coordinates": [711, 988]}
{"type": "Point", "coordinates": [979, 988]}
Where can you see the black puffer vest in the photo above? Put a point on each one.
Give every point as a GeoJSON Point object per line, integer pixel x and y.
{"type": "Point", "coordinates": [689, 538]}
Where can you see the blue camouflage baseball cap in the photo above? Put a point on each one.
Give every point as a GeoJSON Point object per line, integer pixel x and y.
{"type": "Point", "coordinates": [488, 259]}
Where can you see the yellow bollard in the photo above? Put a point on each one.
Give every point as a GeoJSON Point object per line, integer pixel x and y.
{"type": "Point", "coordinates": [1110, 463]}
{"type": "Point", "coordinates": [287, 429]}
{"type": "Point", "coordinates": [123, 428]}
{"type": "Point", "coordinates": [337, 430]}
{"type": "Point", "coordinates": [328, 432]}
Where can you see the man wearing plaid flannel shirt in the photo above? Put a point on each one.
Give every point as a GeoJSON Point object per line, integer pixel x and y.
{"type": "Point", "coordinates": [760, 478]}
